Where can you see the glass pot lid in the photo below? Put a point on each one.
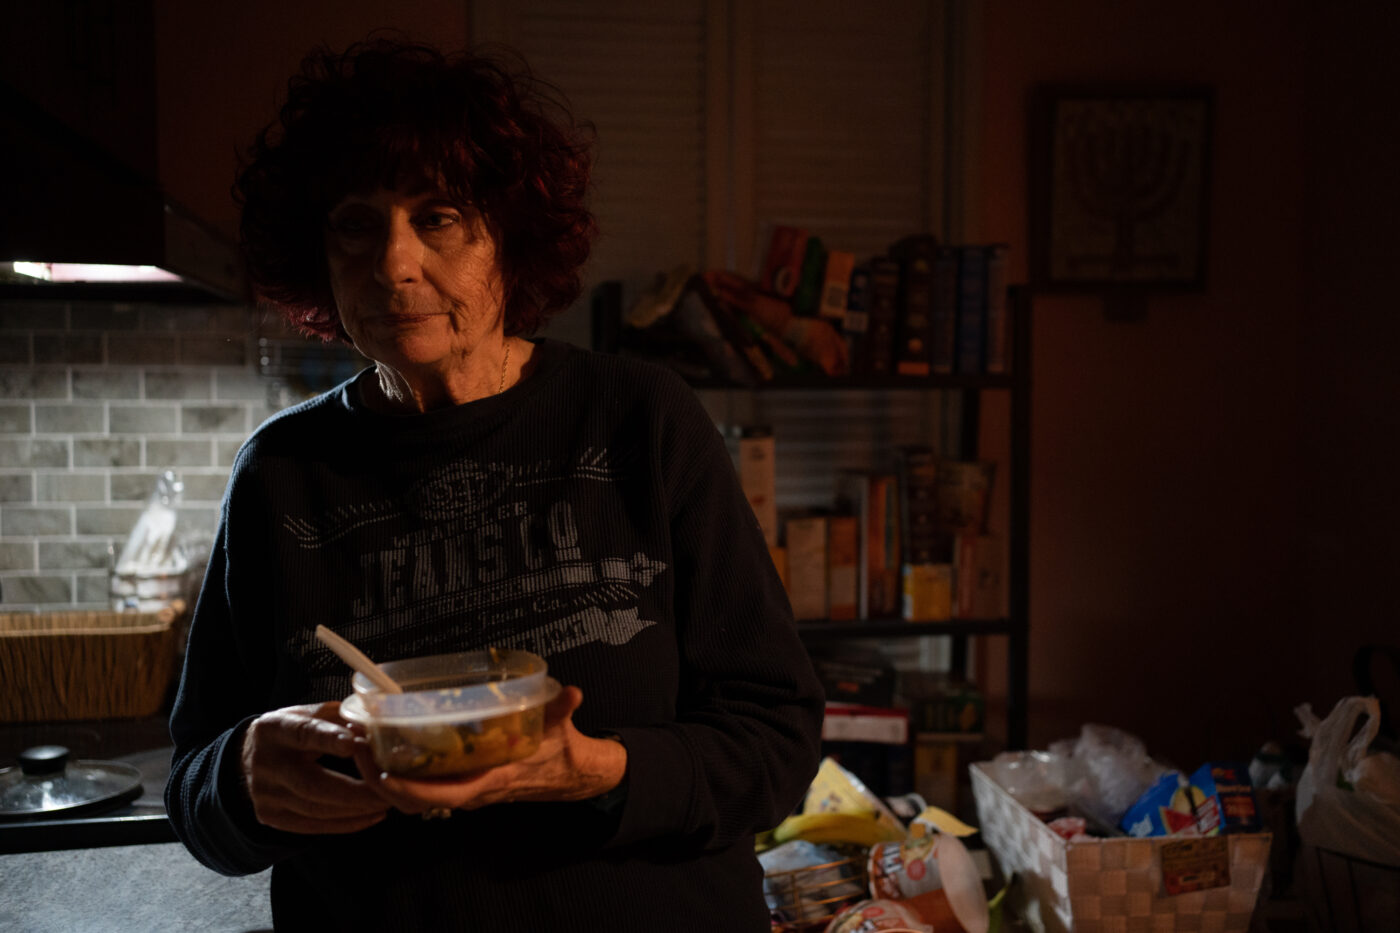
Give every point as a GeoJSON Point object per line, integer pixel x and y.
{"type": "Point", "coordinates": [46, 783]}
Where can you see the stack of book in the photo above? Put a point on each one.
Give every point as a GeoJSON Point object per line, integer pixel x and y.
{"type": "Point", "coordinates": [923, 308]}
{"type": "Point", "coordinates": [910, 543]}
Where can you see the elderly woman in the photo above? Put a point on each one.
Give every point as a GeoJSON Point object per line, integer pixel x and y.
{"type": "Point", "coordinates": [478, 488]}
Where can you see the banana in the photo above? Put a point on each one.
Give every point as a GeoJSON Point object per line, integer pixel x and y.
{"type": "Point", "coordinates": [836, 828]}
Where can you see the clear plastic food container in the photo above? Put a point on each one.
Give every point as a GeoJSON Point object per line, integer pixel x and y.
{"type": "Point", "coordinates": [458, 713]}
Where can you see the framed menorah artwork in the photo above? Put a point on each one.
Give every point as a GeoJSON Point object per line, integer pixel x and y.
{"type": "Point", "coordinates": [1119, 187]}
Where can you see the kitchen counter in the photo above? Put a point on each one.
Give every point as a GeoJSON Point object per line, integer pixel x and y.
{"type": "Point", "coordinates": [151, 888]}
{"type": "Point", "coordinates": [142, 743]}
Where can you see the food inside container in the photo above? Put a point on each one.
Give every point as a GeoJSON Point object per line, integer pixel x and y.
{"type": "Point", "coordinates": [458, 713]}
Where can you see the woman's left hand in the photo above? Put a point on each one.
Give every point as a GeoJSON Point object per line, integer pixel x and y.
{"type": "Point", "coordinates": [568, 766]}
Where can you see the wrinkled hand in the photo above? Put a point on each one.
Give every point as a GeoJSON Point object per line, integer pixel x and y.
{"type": "Point", "coordinates": [290, 789]}
{"type": "Point", "coordinates": [567, 766]}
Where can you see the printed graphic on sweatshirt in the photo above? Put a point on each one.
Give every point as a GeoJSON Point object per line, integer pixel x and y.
{"type": "Point", "coordinates": [497, 548]}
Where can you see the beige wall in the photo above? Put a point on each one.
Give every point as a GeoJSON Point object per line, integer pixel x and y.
{"type": "Point", "coordinates": [1211, 534]}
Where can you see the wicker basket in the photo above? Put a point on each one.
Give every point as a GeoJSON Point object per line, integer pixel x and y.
{"type": "Point", "coordinates": [86, 665]}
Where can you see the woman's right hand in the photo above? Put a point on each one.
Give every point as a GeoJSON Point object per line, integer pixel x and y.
{"type": "Point", "coordinates": [290, 788]}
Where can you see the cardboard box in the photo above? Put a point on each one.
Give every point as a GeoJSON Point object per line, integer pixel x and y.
{"type": "Point", "coordinates": [977, 577]}
{"type": "Point", "coordinates": [954, 709]}
{"type": "Point", "coordinates": [1219, 795]}
{"type": "Point", "coordinates": [936, 773]}
{"type": "Point", "coordinates": [842, 567]}
{"type": "Point", "coordinates": [928, 592]}
{"type": "Point", "coordinates": [849, 722]}
{"type": "Point", "coordinates": [855, 678]}
{"type": "Point", "coordinates": [1103, 885]}
{"type": "Point", "coordinates": [806, 553]}
{"type": "Point", "coordinates": [758, 476]}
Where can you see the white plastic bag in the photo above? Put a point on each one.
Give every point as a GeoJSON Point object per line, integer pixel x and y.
{"type": "Point", "coordinates": [1334, 812]}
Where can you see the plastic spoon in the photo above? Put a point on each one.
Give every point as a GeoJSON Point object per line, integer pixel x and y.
{"type": "Point", "coordinates": [356, 659]}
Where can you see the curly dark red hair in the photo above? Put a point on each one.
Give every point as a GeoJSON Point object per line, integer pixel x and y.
{"type": "Point", "coordinates": [393, 113]}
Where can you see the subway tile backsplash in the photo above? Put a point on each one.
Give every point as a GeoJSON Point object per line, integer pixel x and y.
{"type": "Point", "coordinates": [96, 399]}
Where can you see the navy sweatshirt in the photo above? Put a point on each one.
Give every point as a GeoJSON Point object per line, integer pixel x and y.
{"type": "Point", "coordinates": [590, 514]}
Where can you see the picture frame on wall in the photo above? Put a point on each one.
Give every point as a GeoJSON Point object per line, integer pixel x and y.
{"type": "Point", "coordinates": [1120, 187]}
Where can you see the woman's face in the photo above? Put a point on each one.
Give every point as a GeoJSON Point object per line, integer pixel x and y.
{"type": "Point", "coordinates": [415, 277]}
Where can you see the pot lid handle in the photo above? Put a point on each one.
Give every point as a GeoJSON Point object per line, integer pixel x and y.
{"type": "Point", "coordinates": [43, 759]}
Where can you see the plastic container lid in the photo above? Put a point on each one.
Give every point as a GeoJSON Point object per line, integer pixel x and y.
{"type": "Point", "coordinates": [441, 707]}
{"type": "Point", "coordinates": [46, 782]}
{"type": "Point", "coordinates": [453, 688]}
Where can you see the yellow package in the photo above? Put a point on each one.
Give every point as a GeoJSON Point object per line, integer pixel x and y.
{"type": "Point", "coordinates": [836, 790]}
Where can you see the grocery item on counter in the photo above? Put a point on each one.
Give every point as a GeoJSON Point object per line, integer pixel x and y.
{"type": "Point", "coordinates": [871, 916]}
{"type": "Point", "coordinates": [804, 881]}
{"type": "Point", "coordinates": [1069, 827]}
{"type": "Point", "coordinates": [1217, 798]}
{"type": "Point", "coordinates": [1229, 805]}
{"type": "Point", "coordinates": [944, 822]}
{"type": "Point", "coordinates": [836, 790]}
{"type": "Point", "coordinates": [1039, 780]}
{"type": "Point", "coordinates": [855, 828]}
{"type": "Point", "coordinates": [1116, 770]}
{"type": "Point", "coordinates": [931, 863]}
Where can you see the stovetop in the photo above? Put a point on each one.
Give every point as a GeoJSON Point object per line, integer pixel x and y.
{"type": "Point", "coordinates": [142, 743]}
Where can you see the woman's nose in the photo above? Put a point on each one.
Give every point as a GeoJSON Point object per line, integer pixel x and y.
{"type": "Point", "coordinates": [400, 255]}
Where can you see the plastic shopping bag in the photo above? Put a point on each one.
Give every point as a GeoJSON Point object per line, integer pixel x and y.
{"type": "Point", "coordinates": [1338, 808]}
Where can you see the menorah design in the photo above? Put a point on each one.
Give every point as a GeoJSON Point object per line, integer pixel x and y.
{"type": "Point", "coordinates": [1126, 166]}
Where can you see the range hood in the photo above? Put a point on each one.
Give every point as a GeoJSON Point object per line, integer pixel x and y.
{"type": "Point", "coordinates": [77, 221]}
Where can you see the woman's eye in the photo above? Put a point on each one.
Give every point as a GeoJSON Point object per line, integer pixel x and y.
{"type": "Point", "coordinates": [437, 220]}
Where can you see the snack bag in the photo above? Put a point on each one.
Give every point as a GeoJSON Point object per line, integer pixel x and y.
{"type": "Point", "coordinates": [1227, 799]}
{"type": "Point", "coordinates": [874, 915]}
{"type": "Point", "coordinates": [836, 790]}
{"type": "Point", "coordinates": [1218, 797]}
{"type": "Point", "coordinates": [933, 873]}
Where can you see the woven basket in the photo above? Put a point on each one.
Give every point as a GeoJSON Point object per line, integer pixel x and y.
{"type": "Point", "coordinates": [1109, 885]}
{"type": "Point", "coordinates": [86, 665]}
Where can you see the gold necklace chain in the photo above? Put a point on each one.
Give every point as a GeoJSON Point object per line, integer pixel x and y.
{"type": "Point", "coordinates": [504, 361]}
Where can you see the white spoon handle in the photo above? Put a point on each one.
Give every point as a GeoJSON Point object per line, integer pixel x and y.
{"type": "Point", "coordinates": [356, 659]}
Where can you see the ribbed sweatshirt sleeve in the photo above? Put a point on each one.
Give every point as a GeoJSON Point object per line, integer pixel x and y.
{"type": "Point", "coordinates": [745, 743]}
{"type": "Point", "coordinates": [208, 807]}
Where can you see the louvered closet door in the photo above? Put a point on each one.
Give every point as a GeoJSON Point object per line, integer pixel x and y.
{"type": "Point", "coordinates": [719, 118]}
{"type": "Point", "coordinates": [637, 70]}
{"type": "Point", "coordinates": [841, 116]}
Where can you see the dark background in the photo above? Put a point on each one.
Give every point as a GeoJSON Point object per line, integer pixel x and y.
{"type": "Point", "coordinates": [1213, 520]}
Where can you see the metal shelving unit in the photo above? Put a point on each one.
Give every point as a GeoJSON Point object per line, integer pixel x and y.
{"type": "Point", "coordinates": [968, 391]}
{"type": "Point", "coordinates": [1015, 627]}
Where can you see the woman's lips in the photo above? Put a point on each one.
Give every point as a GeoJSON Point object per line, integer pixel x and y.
{"type": "Point", "coordinates": [400, 318]}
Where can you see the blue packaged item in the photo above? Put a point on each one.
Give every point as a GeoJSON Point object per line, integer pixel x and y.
{"type": "Point", "coordinates": [1228, 805]}
{"type": "Point", "coordinates": [1217, 798]}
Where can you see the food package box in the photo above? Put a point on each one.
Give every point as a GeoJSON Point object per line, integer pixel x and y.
{"type": "Point", "coordinates": [806, 554]}
{"type": "Point", "coordinates": [855, 678]}
{"type": "Point", "coordinates": [1217, 797]}
{"type": "Point", "coordinates": [758, 477]}
{"type": "Point", "coordinates": [928, 592]}
{"type": "Point", "coordinates": [1093, 885]}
